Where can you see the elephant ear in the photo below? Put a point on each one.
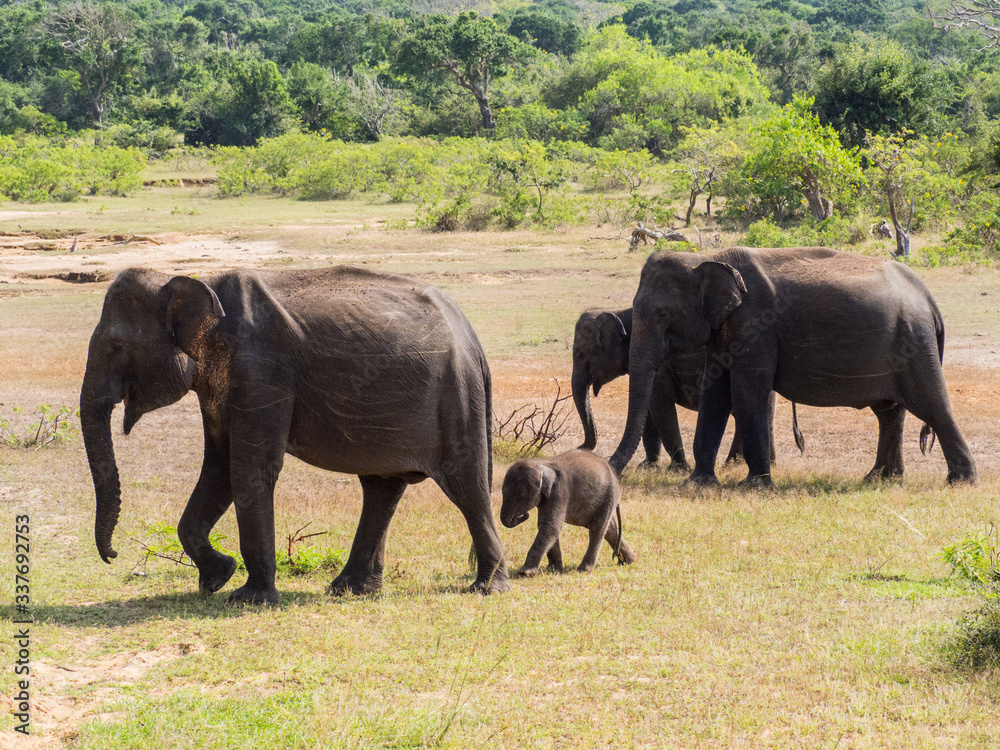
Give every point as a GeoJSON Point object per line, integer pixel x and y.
{"type": "Point", "coordinates": [189, 309]}
{"type": "Point", "coordinates": [722, 291]}
{"type": "Point", "coordinates": [612, 337]}
{"type": "Point", "coordinates": [548, 477]}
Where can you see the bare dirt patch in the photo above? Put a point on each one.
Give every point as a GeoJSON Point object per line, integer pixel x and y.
{"type": "Point", "coordinates": [72, 693]}
{"type": "Point", "coordinates": [73, 259]}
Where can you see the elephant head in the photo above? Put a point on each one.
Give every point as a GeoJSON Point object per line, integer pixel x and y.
{"type": "Point", "coordinates": [526, 484]}
{"type": "Point", "coordinates": [142, 352]}
{"type": "Point", "coordinates": [600, 354]}
{"type": "Point", "coordinates": [677, 306]}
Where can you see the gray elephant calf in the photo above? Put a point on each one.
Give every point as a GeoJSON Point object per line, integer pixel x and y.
{"type": "Point", "coordinates": [577, 487]}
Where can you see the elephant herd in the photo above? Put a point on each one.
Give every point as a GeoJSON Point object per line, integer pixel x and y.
{"type": "Point", "coordinates": [383, 377]}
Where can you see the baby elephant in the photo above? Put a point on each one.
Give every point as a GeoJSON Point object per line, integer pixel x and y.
{"type": "Point", "coordinates": [578, 488]}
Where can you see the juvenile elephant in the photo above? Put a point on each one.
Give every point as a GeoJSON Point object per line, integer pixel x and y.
{"type": "Point", "coordinates": [578, 488]}
{"type": "Point", "coordinates": [349, 370]}
{"type": "Point", "coordinates": [818, 326]}
{"type": "Point", "coordinates": [601, 354]}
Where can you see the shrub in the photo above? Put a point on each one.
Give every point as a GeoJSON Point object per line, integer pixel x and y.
{"type": "Point", "coordinates": [35, 169]}
{"type": "Point", "coordinates": [976, 562]}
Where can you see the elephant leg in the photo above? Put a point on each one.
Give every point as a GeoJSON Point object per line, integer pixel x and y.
{"type": "Point", "coordinates": [363, 572]}
{"type": "Point", "coordinates": [713, 413]}
{"type": "Point", "coordinates": [549, 529]}
{"type": "Point", "coordinates": [926, 398]}
{"type": "Point", "coordinates": [470, 493]}
{"type": "Point", "coordinates": [889, 458]}
{"type": "Point", "coordinates": [651, 441]}
{"type": "Point", "coordinates": [258, 438]}
{"type": "Point", "coordinates": [611, 536]}
{"type": "Point", "coordinates": [555, 558]}
{"type": "Point", "coordinates": [750, 409]}
{"type": "Point", "coordinates": [736, 448]}
{"type": "Point", "coordinates": [211, 498]}
{"type": "Point", "coordinates": [598, 528]}
{"type": "Point", "coordinates": [663, 414]}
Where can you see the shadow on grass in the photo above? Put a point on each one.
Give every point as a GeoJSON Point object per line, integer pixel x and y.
{"type": "Point", "coordinates": [165, 606]}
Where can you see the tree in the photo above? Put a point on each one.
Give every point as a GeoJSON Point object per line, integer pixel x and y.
{"type": "Point", "coordinates": [705, 155]}
{"type": "Point", "coordinates": [250, 102]}
{"type": "Point", "coordinates": [888, 156]}
{"type": "Point", "coordinates": [793, 152]}
{"type": "Point", "coordinates": [879, 87]}
{"type": "Point", "coordinates": [546, 32]}
{"type": "Point", "coordinates": [981, 15]}
{"type": "Point", "coordinates": [375, 104]}
{"type": "Point", "coordinates": [100, 46]}
{"type": "Point", "coordinates": [641, 98]}
{"type": "Point", "coordinates": [867, 15]}
{"type": "Point", "coordinates": [470, 50]}
{"type": "Point", "coordinates": [780, 46]}
{"type": "Point", "coordinates": [321, 99]}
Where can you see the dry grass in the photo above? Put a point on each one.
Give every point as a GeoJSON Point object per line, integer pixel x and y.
{"type": "Point", "coordinates": [811, 617]}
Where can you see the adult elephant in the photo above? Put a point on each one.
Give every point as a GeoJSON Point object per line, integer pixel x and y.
{"type": "Point", "coordinates": [818, 326]}
{"type": "Point", "coordinates": [601, 354]}
{"type": "Point", "coordinates": [349, 370]}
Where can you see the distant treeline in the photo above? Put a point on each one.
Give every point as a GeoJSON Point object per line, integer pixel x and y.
{"type": "Point", "coordinates": [626, 75]}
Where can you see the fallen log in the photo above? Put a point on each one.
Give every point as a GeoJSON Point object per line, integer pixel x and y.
{"type": "Point", "coordinates": [642, 235]}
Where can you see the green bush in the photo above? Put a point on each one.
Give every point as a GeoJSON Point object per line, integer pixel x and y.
{"type": "Point", "coordinates": [36, 170]}
{"type": "Point", "coordinates": [976, 562]}
{"type": "Point", "coordinates": [981, 233]}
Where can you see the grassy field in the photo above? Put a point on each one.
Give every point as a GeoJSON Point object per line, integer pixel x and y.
{"type": "Point", "coordinates": [816, 616]}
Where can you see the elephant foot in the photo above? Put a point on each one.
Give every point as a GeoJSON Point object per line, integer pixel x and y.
{"type": "Point", "coordinates": [647, 464]}
{"type": "Point", "coordinates": [702, 480]}
{"type": "Point", "coordinates": [214, 576]}
{"type": "Point", "coordinates": [246, 595]}
{"type": "Point", "coordinates": [966, 476]}
{"type": "Point", "coordinates": [625, 556]}
{"type": "Point", "coordinates": [678, 466]}
{"type": "Point", "coordinates": [495, 585]}
{"type": "Point", "coordinates": [757, 482]}
{"type": "Point", "coordinates": [586, 567]}
{"type": "Point", "coordinates": [527, 572]}
{"type": "Point", "coordinates": [734, 458]}
{"type": "Point", "coordinates": [360, 586]}
{"type": "Point", "coordinates": [884, 473]}
{"type": "Point", "coordinates": [553, 568]}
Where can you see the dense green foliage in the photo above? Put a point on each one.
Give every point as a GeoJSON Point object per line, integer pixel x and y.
{"type": "Point", "coordinates": [697, 85]}
{"type": "Point", "coordinates": [35, 169]}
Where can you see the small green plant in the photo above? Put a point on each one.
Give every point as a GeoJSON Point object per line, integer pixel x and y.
{"type": "Point", "coordinates": [53, 427]}
{"type": "Point", "coordinates": [303, 561]}
{"type": "Point", "coordinates": [976, 561]}
{"type": "Point", "coordinates": [162, 542]}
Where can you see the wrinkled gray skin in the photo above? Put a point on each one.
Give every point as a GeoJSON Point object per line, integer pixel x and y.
{"type": "Point", "coordinates": [820, 327]}
{"type": "Point", "coordinates": [349, 370]}
{"type": "Point", "coordinates": [601, 354]}
{"type": "Point", "coordinates": [578, 488]}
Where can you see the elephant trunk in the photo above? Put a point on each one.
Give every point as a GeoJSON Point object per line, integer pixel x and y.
{"type": "Point", "coordinates": [644, 355]}
{"type": "Point", "coordinates": [581, 397]}
{"type": "Point", "coordinates": [95, 419]}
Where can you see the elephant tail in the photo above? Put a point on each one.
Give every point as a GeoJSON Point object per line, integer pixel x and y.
{"type": "Point", "coordinates": [621, 533]}
{"type": "Point", "coordinates": [488, 415]}
{"type": "Point", "coordinates": [927, 435]}
{"type": "Point", "coordinates": [927, 432]}
{"type": "Point", "coordinates": [800, 442]}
